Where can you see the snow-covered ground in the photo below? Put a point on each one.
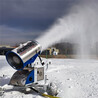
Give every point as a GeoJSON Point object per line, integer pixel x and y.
{"type": "Point", "coordinates": [74, 78]}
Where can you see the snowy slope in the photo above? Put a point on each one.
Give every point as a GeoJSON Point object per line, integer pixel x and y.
{"type": "Point", "coordinates": [74, 78]}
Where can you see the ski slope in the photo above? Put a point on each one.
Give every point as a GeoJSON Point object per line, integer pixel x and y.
{"type": "Point", "coordinates": [74, 78]}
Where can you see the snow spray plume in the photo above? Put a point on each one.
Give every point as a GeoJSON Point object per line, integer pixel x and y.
{"type": "Point", "coordinates": [80, 26]}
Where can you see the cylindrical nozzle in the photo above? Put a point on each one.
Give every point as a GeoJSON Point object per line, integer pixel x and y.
{"type": "Point", "coordinates": [25, 54]}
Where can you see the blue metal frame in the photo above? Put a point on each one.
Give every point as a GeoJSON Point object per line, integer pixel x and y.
{"type": "Point", "coordinates": [31, 75]}
{"type": "Point", "coordinates": [32, 59]}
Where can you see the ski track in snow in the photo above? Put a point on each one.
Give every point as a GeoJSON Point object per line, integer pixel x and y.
{"type": "Point", "coordinates": [74, 78]}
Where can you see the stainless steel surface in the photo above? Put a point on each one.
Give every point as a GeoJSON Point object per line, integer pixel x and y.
{"type": "Point", "coordinates": [28, 52]}
{"type": "Point", "coordinates": [19, 78]}
{"type": "Point", "coordinates": [20, 55]}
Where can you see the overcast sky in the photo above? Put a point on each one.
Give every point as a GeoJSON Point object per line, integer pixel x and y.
{"type": "Point", "coordinates": [22, 20]}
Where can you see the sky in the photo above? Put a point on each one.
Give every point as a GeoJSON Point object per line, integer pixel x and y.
{"type": "Point", "coordinates": [22, 20]}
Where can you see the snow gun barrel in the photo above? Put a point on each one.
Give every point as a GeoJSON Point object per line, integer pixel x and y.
{"type": "Point", "coordinates": [23, 55]}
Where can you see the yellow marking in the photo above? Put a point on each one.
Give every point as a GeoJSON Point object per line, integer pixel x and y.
{"type": "Point", "coordinates": [49, 96]}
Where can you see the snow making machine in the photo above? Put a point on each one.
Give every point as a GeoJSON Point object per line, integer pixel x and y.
{"type": "Point", "coordinates": [27, 74]}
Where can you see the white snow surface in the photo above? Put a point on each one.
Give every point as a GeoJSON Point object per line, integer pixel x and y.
{"type": "Point", "coordinates": [74, 78]}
